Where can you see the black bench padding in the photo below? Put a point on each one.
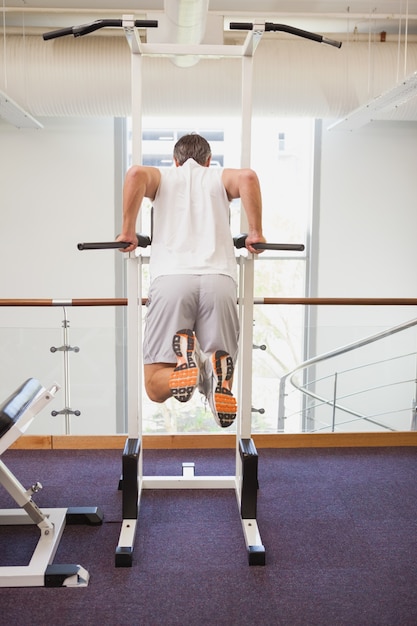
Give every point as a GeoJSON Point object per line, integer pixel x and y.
{"type": "Point", "coordinates": [12, 408]}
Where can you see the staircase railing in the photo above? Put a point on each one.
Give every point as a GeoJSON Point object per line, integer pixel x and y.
{"type": "Point", "coordinates": [332, 401]}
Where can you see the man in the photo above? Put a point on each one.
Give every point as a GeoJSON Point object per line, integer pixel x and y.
{"type": "Point", "coordinates": [193, 272]}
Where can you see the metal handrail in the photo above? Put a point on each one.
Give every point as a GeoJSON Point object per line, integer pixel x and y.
{"type": "Point", "coordinates": [328, 355]}
{"type": "Point", "coordinates": [359, 416]}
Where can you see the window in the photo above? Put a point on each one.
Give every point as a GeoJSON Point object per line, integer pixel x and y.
{"type": "Point", "coordinates": [282, 152]}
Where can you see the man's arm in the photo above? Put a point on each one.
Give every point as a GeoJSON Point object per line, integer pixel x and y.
{"type": "Point", "coordinates": [244, 184]}
{"type": "Point", "coordinates": [140, 182]}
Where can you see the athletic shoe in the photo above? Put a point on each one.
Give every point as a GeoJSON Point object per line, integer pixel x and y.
{"type": "Point", "coordinates": [220, 398]}
{"type": "Point", "coordinates": [184, 378]}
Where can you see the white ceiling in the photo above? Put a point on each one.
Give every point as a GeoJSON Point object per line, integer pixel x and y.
{"type": "Point", "coordinates": [230, 6]}
{"type": "Point", "coordinates": [325, 16]}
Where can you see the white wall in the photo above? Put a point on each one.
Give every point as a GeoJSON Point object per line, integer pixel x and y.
{"type": "Point", "coordinates": [368, 211]}
{"type": "Point", "coordinates": [368, 214]}
{"type": "Point", "coordinates": [57, 189]}
{"type": "Point", "coordinates": [366, 248]}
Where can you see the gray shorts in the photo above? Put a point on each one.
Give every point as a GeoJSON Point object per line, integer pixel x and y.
{"type": "Point", "coordinates": [205, 303]}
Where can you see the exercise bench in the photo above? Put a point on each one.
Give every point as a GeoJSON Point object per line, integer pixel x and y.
{"type": "Point", "coordinates": [16, 415]}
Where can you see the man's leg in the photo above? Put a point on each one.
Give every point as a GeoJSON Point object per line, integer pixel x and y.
{"type": "Point", "coordinates": [163, 380]}
{"type": "Point", "coordinates": [217, 328]}
{"type": "Point", "coordinates": [157, 377]}
{"type": "Point", "coordinates": [170, 307]}
{"type": "Point", "coordinates": [217, 321]}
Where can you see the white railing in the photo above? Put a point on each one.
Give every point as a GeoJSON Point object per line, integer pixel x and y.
{"type": "Point", "coordinates": [338, 401]}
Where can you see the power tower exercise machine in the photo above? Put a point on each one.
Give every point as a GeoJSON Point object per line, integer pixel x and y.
{"type": "Point", "coordinates": [16, 414]}
{"type": "Point", "coordinates": [245, 480]}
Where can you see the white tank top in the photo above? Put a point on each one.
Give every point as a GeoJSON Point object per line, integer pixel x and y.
{"type": "Point", "coordinates": [191, 230]}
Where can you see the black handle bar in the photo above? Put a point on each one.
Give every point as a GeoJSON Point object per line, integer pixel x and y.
{"type": "Point", "coordinates": [85, 29]}
{"type": "Point", "coordinates": [269, 26]}
{"type": "Point", "coordinates": [143, 242]}
{"type": "Point", "coordinates": [297, 247]}
{"type": "Point", "coordinates": [240, 242]}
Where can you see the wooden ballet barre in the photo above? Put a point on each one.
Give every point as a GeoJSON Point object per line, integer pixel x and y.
{"type": "Point", "coordinates": [68, 302]}
{"type": "Point", "coordinates": [45, 302]}
{"type": "Point", "coordinates": [340, 301]}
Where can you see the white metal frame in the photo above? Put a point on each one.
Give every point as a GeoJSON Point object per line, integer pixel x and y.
{"type": "Point", "coordinates": [187, 480]}
{"type": "Point", "coordinates": [244, 482]}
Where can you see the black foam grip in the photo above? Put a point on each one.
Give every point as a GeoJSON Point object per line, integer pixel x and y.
{"type": "Point", "coordinates": [279, 246]}
{"type": "Point", "coordinates": [143, 242]}
{"type": "Point", "coordinates": [63, 32]}
{"type": "Point", "coordinates": [240, 242]}
{"type": "Point", "coordinates": [146, 23]}
{"type": "Point", "coordinates": [240, 26]}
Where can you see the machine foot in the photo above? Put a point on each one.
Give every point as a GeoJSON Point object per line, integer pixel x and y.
{"type": "Point", "coordinates": [256, 555]}
{"type": "Point", "coordinates": [90, 515]}
{"type": "Point", "coordinates": [124, 557]}
{"type": "Point", "coordinates": [66, 576]}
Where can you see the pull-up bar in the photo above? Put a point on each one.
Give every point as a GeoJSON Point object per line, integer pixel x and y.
{"type": "Point", "coordinates": [86, 29]}
{"type": "Point", "coordinates": [270, 27]}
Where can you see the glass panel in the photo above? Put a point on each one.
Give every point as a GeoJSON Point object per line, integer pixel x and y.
{"type": "Point", "coordinates": [369, 387]}
{"type": "Point", "coordinates": [91, 374]}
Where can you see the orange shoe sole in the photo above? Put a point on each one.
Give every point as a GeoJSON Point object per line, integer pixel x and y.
{"type": "Point", "coordinates": [184, 378]}
{"type": "Point", "coordinates": [224, 401]}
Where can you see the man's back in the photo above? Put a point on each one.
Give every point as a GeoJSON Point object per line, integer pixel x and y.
{"type": "Point", "coordinates": [191, 232]}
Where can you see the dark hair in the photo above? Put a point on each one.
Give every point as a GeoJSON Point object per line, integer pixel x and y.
{"type": "Point", "coordinates": [192, 146]}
